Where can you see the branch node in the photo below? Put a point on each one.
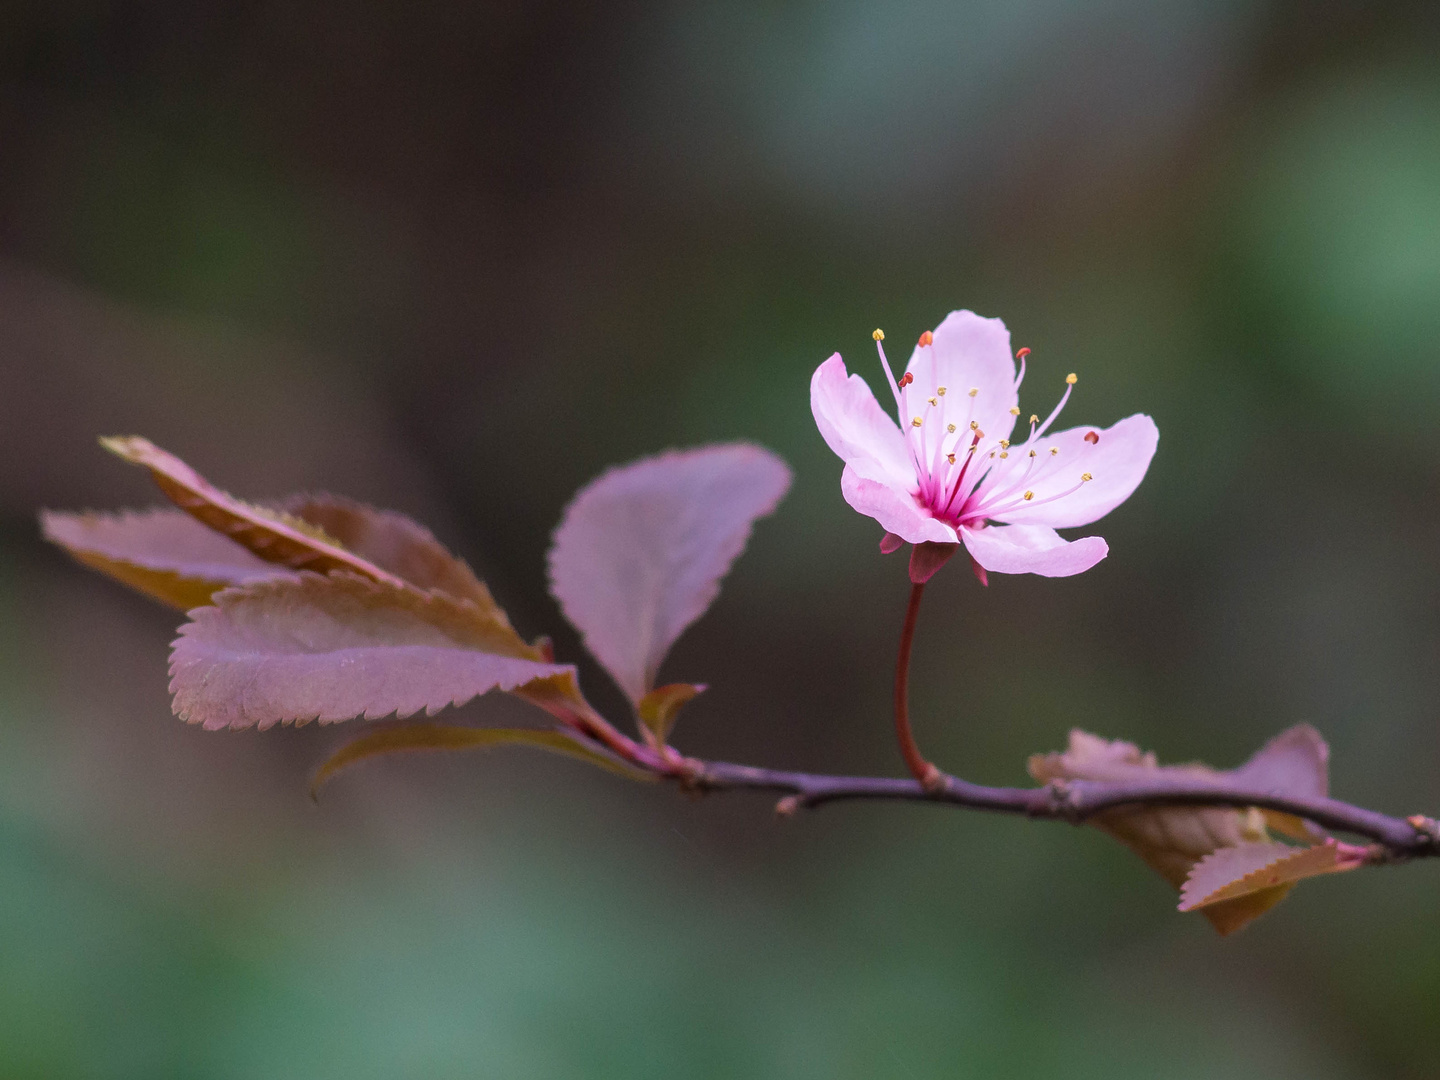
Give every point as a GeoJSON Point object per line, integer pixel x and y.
{"type": "Point", "coordinates": [1061, 801]}
{"type": "Point", "coordinates": [1427, 829]}
{"type": "Point", "coordinates": [933, 780]}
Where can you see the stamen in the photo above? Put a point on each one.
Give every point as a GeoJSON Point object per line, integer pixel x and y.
{"type": "Point", "coordinates": [927, 338]}
{"type": "Point", "coordinates": [1092, 437]}
{"type": "Point", "coordinates": [1069, 385]}
{"type": "Point", "coordinates": [1085, 478]}
{"type": "Point", "coordinates": [1071, 379]}
{"type": "Point", "coordinates": [950, 458]}
{"type": "Point", "coordinates": [1029, 495]}
{"type": "Point", "coordinates": [1033, 418]}
{"type": "Point", "coordinates": [1032, 453]}
{"type": "Point", "coordinates": [879, 336]}
{"type": "Point", "coordinates": [974, 390]}
{"type": "Point", "coordinates": [916, 422]}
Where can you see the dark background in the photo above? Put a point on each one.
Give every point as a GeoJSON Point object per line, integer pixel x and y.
{"type": "Point", "coordinates": [458, 258]}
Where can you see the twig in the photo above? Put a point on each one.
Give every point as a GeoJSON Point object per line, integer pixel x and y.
{"type": "Point", "coordinates": [1073, 801]}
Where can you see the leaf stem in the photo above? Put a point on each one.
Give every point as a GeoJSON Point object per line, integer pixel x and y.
{"type": "Point", "coordinates": [923, 771]}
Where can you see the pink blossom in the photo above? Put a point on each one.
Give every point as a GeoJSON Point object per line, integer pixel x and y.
{"type": "Point", "coordinates": [949, 473]}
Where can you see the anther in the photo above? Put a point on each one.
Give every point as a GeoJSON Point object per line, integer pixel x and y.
{"type": "Point", "coordinates": [906, 379]}
{"type": "Point", "coordinates": [927, 338]}
{"type": "Point", "coordinates": [1015, 410]}
{"type": "Point", "coordinates": [1004, 453]}
{"type": "Point", "coordinates": [916, 422]}
{"type": "Point", "coordinates": [1092, 437]}
{"type": "Point", "coordinates": [950, 428]}
{"type": "Point", "coordinates": [974, 425]}
{"type": "Point", "coordinates": [1004, 444]}
{"type": "Point", "coordinates": [974, 390]}
{"type": "Point", "coordinates": [1029, 495]}
{"type": "Point", "coordinates": [1054, 450]}
{"type": "Point", "coordinates": [940, 390]}
{"type": "Point", "coordinates": [1022, 353]}
{"type": "Point", "coordinates": [1085, 478]}
{"type": "Point", "coordinates": [932, 401]}
{"type": "Point", "coordinates": [1072, 378]}
{"type": "Point", "coordinates": [950, 458]}
{"type": "Point", "coordinates": [1033, 418]}
{"type": "Point", "coordinates": [878, 335]}
{"type": "Point", "coordinates": [1032, 453]}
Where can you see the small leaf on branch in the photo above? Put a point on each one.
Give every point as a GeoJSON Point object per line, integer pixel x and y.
{"type": "Point", "coordinates": [1245, 881]}
{"type": "Point", "coordinates": [340, 646]}
{"type": "Point", "coordinates": [640, 552]}
{"type": "Point", "coordinates": [166, 554]}
{"type": "Point", "coordinates": [411, 737]}
{"type": "Point", "coordinates": [1172, 839]}
{"type": "Point", "coordinates": [394, 542]}
{"type": "Point", "coordinates": [660, 708]}
{"type": "Point", "coordinates": [274, 536]}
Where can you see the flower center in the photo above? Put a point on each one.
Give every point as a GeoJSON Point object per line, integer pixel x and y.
{"type": "Point", "coordinates": [964, 477]}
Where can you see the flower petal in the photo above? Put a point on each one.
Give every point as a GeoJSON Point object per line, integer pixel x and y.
{"type": "Point", "coordinates": [894, 509]}
{"type": "Point", "coordinates": [969, 352]}
{"type": "Point", "coordinates": [1116, 461]}
{"type": "Point", "coordinates": [857, 429]}
{"type": "Point", "coordinates": [1032, 549]}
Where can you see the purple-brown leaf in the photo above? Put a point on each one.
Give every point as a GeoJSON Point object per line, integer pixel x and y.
{"type": "Point", "coordinates": [166, 554]}
{"type": "Point", "coordinates": [271, 534]}
{"type": "Point", "coordinates": [406, 738]}
{"type": "Point", "coordinates": [340, 646]}
{"type": "Point", "coordinates": [393, 542]}
{"type": "Point", "coordinates": [1173, 839]}
{"type": "Point", "coordinates": [1245, 881]}
{"type": "Point", "coordinates": [640, 552]}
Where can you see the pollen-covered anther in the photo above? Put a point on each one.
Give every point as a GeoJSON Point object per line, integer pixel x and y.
{"type": "Point", "coordinates": [1054, 450]}
{"type": "Point", "coordinates": [1033, 418]}
{"type": "Point", "coordinates": [1072, 378]}
{"type": "Point", "coordinates": [950, 428]}
{"type": "Point", "coordinates": [1004, 444]}
{"type": "Point", "coordinates": [974, 390]}
{"type": "Point", "coordinates": [940, 390]}
{"type": "Point", "coordinates": [1004, 453]}
{"type": "Point", "coordinates": [1032, 453]}
{"type": "Point", "coordinates": [1085, 478]}
{"type": "Point", "coordinates": [878, 335]}
{"type": "Point", "coordinates": [950, 458]}
{"type": "Point", "coordinates": [974, 425]}
{"type": "Point", "coordinates": [1015, 410]}
{"type": "Point", "coordinates": [927, 338]}
{"type": "Point", "coordinates": [916, 422]}
{"type": "Point", "coordinates": [1029, 495]}
{"type": "Point", "coordinates": [933, 401]}
{"type": "Point", "coordinates": [1092, 437]}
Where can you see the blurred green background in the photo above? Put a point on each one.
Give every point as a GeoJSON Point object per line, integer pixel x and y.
{"type": "Point", "coordinates": [457, 258]}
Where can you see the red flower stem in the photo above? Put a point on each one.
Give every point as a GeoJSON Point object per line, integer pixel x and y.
{"type": "Point", "coordinates": [928, 775]}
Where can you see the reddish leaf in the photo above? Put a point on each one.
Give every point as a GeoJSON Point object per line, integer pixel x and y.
{"type": "Point", "coordinates": [1240, 883]}
{"type": "Point", "coordinates": [392, 542]}
{"type": "Point", "coordinates": [1172, 839]}
{"type": "Point", "coordinates": [412, 737]}
{"type": "Point", "coordinates": [272, 535]}
{"type": "Point", "coordinates": [164, 553]}
{"type": "Point", "coordinates": [336, 647]}
{"type": "Point", "coordinates": [640, 552]}
{"type": "Point", "coordinates": [1296, 763]}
